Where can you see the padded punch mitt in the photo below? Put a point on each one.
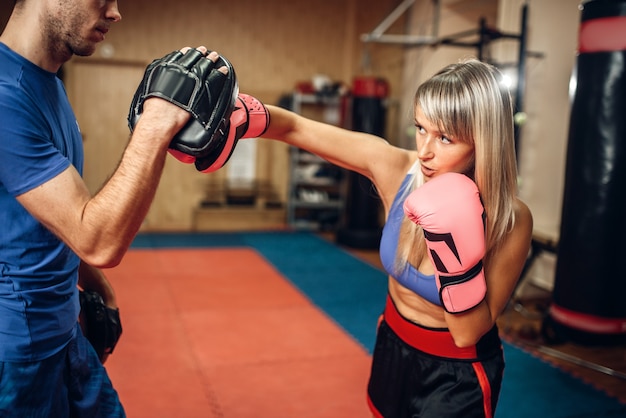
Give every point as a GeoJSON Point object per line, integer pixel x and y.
{"type": "Point", "coordinates": [193, 83]}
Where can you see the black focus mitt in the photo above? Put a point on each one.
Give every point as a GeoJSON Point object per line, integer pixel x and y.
{"type": "Point", "coordinates": [100, 323]}
{"type": "Point", "coordinates": [192, 82]}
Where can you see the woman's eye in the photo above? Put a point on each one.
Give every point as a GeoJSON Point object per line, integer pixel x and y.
{"type": "Point", "coordinates": [420, 129]}
{"type": "Point", "coordinates": [445, 140]}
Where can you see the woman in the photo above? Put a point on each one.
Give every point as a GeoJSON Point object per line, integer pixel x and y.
{"type": "Point", "coordinates": [430, 360]}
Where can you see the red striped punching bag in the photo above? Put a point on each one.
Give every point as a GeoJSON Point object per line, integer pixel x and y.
{"type": "Point", "coordinates": [589, 299]}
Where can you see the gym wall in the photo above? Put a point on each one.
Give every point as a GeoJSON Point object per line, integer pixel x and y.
{"type": "Point", "coordinates": [272, 44]}
{"type": "Point", "coordinates": [275, 44]}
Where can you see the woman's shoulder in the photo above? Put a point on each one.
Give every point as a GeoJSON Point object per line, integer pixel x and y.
{"type": "Point", "coordinates": [394, 159]}
{"type": "Point", "coordinates": [522, 212]}
{"type": "Point", "coordinates": [523, 220]}
{"type": "Point", "coordinates": [391, 171]}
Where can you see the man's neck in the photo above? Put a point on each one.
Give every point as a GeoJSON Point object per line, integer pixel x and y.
{"type": "Point", "coordinates": [24, 37]}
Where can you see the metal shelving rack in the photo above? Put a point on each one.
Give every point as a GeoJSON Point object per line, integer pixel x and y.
{"type": "Point", "coordinates": [317, 188]}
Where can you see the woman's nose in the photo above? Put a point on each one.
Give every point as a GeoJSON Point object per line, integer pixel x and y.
{"type": "Point", "coordinates": [424, 150]}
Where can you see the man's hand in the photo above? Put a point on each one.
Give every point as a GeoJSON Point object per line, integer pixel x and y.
{"type": "Point", "coordinates": [201, 83]}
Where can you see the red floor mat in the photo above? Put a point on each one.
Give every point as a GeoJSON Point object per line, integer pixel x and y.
{"type": "Point", "coordinates": [220, 333]}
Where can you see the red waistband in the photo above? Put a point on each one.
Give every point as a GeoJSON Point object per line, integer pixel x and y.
{"type": "Point", "coordinates": [431, 341]}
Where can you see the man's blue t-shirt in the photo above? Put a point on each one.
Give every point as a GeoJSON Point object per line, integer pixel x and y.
{"type": "Point", "coordinates": [39, 139]}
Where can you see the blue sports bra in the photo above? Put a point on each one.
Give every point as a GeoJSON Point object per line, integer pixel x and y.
{"type": "Point", "coordinates": [409, 277]}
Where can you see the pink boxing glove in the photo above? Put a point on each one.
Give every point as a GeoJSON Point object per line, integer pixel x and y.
{"type": "Point", "coordinates": [249, 119]}
{"type": "Point", "coordinates": [449, 210]}
{"type": "Point", "coordinates": [257, 118]}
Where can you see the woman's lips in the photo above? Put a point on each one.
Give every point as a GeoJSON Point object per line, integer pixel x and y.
{"type": "Point", "coordinates": [427, 171]}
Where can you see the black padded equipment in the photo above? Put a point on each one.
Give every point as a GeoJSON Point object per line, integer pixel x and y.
{"type": "Point", "coordinates": [193, 83]}
{"type": "Point", "coordinates": [588, 301]}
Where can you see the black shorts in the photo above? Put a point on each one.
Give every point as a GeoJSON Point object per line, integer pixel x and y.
{"type": "Point", "coordinates": [420, 372]}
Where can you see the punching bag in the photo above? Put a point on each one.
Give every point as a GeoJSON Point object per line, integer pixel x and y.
{"type": "Point", "coordinates": [362, 225]}
{"type": "Point", "coordinates": [589, 299]}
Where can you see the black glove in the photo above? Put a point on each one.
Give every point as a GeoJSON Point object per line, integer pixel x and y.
{"type": "Point", "coordinates": [193, 83]}
{"type": "Point", "coordinates": [100, 323]}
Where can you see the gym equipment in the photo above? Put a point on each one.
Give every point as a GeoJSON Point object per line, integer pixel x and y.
{"type": "Point", "coordinates": [362, 227]}
{"type": "Point", "coordinates": [590, 283]}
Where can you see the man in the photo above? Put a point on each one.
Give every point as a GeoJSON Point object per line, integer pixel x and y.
{"type": "Point", "coordinates": [52, 227]}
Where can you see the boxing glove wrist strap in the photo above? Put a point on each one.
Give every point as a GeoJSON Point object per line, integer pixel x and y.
{"type": "Point", "coordinates": [258, 118]}
{"type": "Point", "coordinates": [460, 293]}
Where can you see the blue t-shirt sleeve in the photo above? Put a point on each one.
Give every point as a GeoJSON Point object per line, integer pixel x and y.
{"type": "Point", "coordinates": [28, 156]}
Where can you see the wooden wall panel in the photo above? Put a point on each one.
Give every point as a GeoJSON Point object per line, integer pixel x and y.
{"type": "Point", "coordinates": [5, 11]}
{"type": "Point", "coordinates": [272, 44]}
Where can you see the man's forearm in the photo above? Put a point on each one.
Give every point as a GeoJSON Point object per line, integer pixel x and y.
{"type": "Point", "coordinates": [115, 214]}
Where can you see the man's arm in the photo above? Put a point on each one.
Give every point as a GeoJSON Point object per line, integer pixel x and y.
{"type": "Point", "coordinates": [100, 323]}
{"type": "Point", "coordinates": [93, 279]}
{"type": "Point", "coordinates": [100, 228]}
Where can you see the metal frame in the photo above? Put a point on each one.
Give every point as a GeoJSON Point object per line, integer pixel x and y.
{"type": "Point", "coordinates": [378, 34]}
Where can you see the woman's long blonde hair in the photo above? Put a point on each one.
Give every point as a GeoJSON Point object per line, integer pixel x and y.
{"type": "Point", "coordinates": [467, 101]}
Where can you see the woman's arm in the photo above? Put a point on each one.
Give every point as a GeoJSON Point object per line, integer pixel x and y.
{"type": "Point", "coordinates": [502, 274]}
{"type": "Point", "coordinates": [369, 155]}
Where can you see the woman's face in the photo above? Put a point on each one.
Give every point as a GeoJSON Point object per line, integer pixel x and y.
{"type": "Point", "coordinates": [438, 152]}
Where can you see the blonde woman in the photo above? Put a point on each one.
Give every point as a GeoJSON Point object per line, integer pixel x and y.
{"type": "Point", "coordinates": [438, 352]}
